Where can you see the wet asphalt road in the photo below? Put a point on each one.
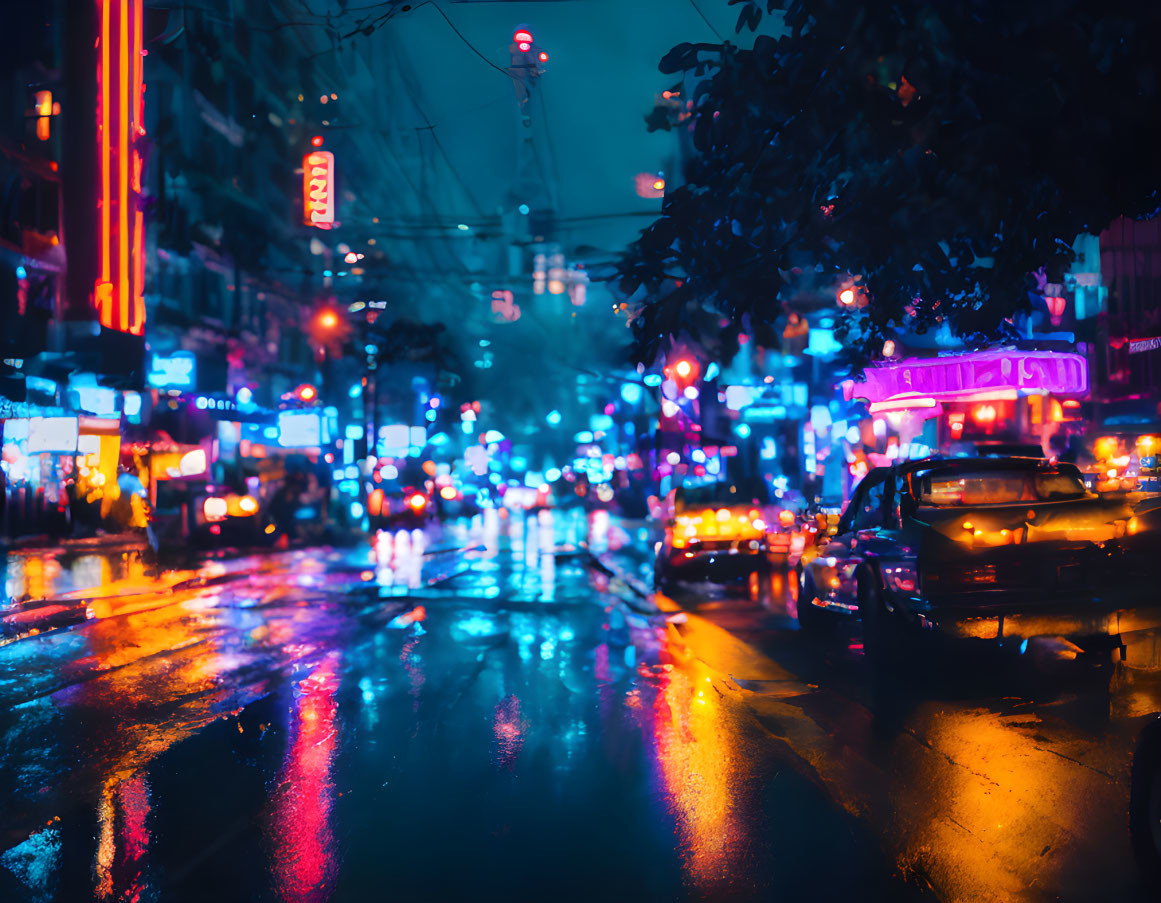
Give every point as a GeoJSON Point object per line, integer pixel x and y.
{"type": "Point", "coordinates": [482, 714]}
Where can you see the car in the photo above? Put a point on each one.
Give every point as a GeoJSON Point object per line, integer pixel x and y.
{"type": "Point", "coordinates": [1145, 803]}
{"type": "Point", "coordinates": [408, 510]}
{"type": "Point", "coordinates": [1006, 550]}
{"type": "Point", "coordinates": [222, 517]}
{"type": "Point", "coordinates": [717, 533]}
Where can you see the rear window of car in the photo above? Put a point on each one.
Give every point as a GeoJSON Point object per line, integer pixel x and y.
{"type": "Point", "coordinates": [715, 495]}
{"type": "Point", "coordinates": [997, 487]}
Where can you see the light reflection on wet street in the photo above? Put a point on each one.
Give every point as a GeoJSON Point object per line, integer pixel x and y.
{"type": "Point", "coordinates": [484, 713]}
{"type": "Point", "coordinates": [471, 714]}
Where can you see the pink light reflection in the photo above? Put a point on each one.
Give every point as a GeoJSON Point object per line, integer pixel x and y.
{"type": "Point", "coordinates": [299, 826]}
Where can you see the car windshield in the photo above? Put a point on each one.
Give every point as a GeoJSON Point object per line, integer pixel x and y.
{"type": "Point", "coordinates": [997, 487]}
{"type": "Point", "coordinates": [714, 495]}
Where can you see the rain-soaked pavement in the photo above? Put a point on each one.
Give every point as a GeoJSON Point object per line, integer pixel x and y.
{"type": "Point", "coordinates": [482, 713]}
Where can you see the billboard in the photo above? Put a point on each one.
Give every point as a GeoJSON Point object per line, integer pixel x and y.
{"type": "Point", "coordinates": [52, 434]}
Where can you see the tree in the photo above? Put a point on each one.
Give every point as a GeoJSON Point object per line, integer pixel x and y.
{"type": "Point", "coordinates": [943, 155]}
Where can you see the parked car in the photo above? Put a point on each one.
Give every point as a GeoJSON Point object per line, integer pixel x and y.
{"type": "Point", "coordinates": [1145, 803]}
{"type": "Point", "coordinates": [1009, 550]}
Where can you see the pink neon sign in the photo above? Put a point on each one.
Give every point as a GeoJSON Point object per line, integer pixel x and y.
{"type": "Point", "coordinates": [966, 375]}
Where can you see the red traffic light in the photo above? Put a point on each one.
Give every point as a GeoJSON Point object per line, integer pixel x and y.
{"type": "Point", "coordinates": [684, 370]}
{"type": "Point", "coordinates": [316, 141]}
{"type": "Point", "coordinates": [306, 392]}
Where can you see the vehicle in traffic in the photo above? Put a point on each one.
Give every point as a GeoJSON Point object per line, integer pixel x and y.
{"type": "Point", "coordinates": [1008, 550]}
{"type": "Point", "coordinates": [407, 510]}
{"type": "Point", "coordinates": [717, 534]}
{"type": "Point", "coordinates": [222, 517]}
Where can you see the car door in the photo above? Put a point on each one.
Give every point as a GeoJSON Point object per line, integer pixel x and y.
{"type": "Point", "coordinates": [833, 571]}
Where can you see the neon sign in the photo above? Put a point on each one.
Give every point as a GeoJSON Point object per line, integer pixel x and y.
{"type": "Point", "coordinates": [118, 294]}
{"type": "Point", "coordinates": [318, 189]}
{"type": "Point", "coordinates": [964, 376]}
{"type": "Point", "coordinates": [178, 371]}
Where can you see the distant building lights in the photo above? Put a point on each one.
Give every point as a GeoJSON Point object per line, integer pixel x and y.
{"type": "Point", "coordinates": [553, 418]}
{"type": "Point", "coordinates": [351, 257]}
{"type": "Point", "coordinates": [244, 395]}
{"type": "Point", "coordinates": [463, 227]}
{"type": "Point", "coordinates": [524, 209]}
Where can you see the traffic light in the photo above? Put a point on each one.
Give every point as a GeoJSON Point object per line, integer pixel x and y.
{"type": "Point", "coordinates": [306, 393]}
{"type": "Point", "coordinates": [684, 371]}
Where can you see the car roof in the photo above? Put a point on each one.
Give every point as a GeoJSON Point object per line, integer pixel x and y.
{"type": "Point", "coordinates": [987, 463]}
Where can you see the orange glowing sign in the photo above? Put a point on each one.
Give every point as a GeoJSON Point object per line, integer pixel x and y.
{"type": "Point", "coordinates": [318, 189]}
{"type": "Point", "coordinates": [118, 294]}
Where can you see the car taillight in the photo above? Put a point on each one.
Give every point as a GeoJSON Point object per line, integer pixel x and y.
{"type": "Point", "coordinates": [901, 578]}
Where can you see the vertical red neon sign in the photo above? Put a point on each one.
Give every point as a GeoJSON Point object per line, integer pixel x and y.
{"type": "Point", "coordinates": [318, 189]}
{"type": "Point", "coordinates": [119, 291]}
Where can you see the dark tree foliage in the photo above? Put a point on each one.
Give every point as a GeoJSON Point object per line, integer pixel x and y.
{"type": "Point", "coordinates": [942, 152]}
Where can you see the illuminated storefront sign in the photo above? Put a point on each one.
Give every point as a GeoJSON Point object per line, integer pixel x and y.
{"type": "Point", "coordinates": [972, 376]}
{"type": "Point", "coordinates": [177, 371]}
{"type": "Point", "coordinates": [318, 189]}
{"type": "Point", "coordinates": [52, 434]}
{"type": "Point", "coordinates": [300, 429]}
{"type": "Point", "coordinates": [1136, 346]}
{"type": "Point", "coordinates": [119, 291]}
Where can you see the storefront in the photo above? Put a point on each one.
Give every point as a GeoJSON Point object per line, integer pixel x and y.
{"type": "Point", "coordinates": [1013, 401]}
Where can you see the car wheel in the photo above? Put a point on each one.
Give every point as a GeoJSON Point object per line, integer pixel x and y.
{"type": "Point", "coordinates": [811, 619]}
{"type": "Point", "coordinates": [1145, 804]}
